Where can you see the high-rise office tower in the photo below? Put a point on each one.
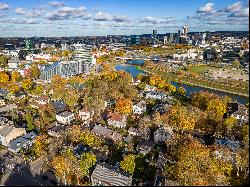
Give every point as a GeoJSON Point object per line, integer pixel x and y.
{"type": "Point", "coordinates": [185, 30]}
{"type": "Point", "coordinates": [171, 37]}
{"type": "Point", "coordinates": [165, 40]}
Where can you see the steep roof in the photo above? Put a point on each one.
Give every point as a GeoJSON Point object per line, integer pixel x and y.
{"type": "Point", "coordinates": [110, 176]}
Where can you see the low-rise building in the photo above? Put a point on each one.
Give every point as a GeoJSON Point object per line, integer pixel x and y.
{"type": "Point", "coordinates": [140, 107]}
{"type": "Point", "coordinates": [162, 135]}
{"type": "Point", "coordinates": [107, 133]}
{"type": "Point", "coordinates": [117, 120]}
{"type": "Point", "coordinates": [133, 131]}
{"type": "Point", "coordinates": [65, 117]}
{"type": "Point", "coordinates": [155, 95]}
{"type": "Point", "coordinates": [145, 147]}
{"type": "Point", "coordinates": [106, 175]}
{"type": "Point", "coordinates": [2, 102]}
{"type": "Point", "coordinates": [56, 130]}
{"type": "Point", "coordinates": [42, 100]}
{"type": "Point", "coordinates": [24, 142]}
{"type": "Point", "coordinates": [8, 133]}
{"type": "Point", "coordinates": [85, 115]}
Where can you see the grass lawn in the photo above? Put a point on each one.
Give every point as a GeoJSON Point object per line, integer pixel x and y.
{"type": "Point", "coordinates": [201, 69]}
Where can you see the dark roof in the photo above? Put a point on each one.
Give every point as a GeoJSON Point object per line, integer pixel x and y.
{"type": "Point", "coordinates": [65, 114]}
{"type": "Point", "coordinates": [20, 142]}
{"type": "Point", "coordinates": [52, 66]}
{"type": "Point", "coordinates": [59, 106]}
{"type": "Point", "coordinates": [3, 92]}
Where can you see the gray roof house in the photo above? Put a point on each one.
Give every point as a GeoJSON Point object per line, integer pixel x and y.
{"type": "Point", "coordinates": [140, 107]}
{"type": "Point", "coordinates": [24, 141]}
{"type": "Point", "coordinates": [59, 106]}
{"type": "Point", "coordinates": [107, 133]}
{"type": "Point", "coordinates": [65, 117]}
{"type": "Point", "coordinates": [145, 147]}
{"type": "Point", "coordinates": [106, 175]}
{"type": "Point", "coordinates": [3, 92]}
{"type": "Point", "coordinates": [162, 134]}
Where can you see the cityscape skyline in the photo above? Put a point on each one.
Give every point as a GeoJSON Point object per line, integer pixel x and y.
{"type": "Point", "coordinates": [96, 18]}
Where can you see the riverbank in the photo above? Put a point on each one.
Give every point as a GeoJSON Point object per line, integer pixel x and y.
{"type": "Point", "coordinates": [199, 85]}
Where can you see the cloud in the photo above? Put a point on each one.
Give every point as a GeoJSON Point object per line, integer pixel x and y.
{"type": "Point", "coordinates": [19, 21]}
{"type": "Point", "coordinates": [4, 6]}
{"type": "Point", "coordinates": [206, 8]}
{"type": "Point", "coordinates": [20, 11]}
{"type": "Point", "coordinates": [234, 7]}
{"type": "Point", "coordinates": [241, 13]}
{"type": "Point", "coordinates": [154, 20]}
{"type": "Point", "coordinates": [67, 13]}
{"type": "Point", "coordinates": [101, 16]}
{"type": "Point", "coordinates": [56, 4]}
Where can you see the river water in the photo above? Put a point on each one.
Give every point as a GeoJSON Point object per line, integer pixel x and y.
{"type": "Point", "coordinates": [131, 68]}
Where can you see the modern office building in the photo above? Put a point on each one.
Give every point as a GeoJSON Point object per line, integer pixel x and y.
{"type": "Point", "coordinates": [80, 63]}
{"type": "Point", "coordinates": [185, 30]}
{"type": "Point", "coordinates": [165, 40]}
{"type": "Point", "coordinates": [134, 39]}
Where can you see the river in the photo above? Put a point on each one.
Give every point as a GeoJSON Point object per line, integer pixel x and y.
{"type": "Point", "coordinates": [131, 68]}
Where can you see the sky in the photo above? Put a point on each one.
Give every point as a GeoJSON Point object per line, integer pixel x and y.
{"type": "Point", "coordinates": [28, 18]}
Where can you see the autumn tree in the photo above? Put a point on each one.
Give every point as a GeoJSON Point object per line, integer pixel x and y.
{"type": "Point", "coordinates": [201, 99]}
{"type": "Point", "coordinates": [71, 98]}
{"type": "Point", "coordinates": [3, 61]}
{"type": "Point", "coordinates": [41, 145]}
{"type": "Point", "coordinates": [180, 118]}
{"type": "Point", "coordinates": [181, 91]}
{"type": "Point", "coordinates": [34, 71]}
{"type": "Point", "coordinates": [30, 121]}
{"type": "Point", "coordinates": [16, 76]}
{"type": "Point", "coordinates": [128, 163]}
{"type": "Point", "coordinates": [123, 106]}
{"type": "Point", "coordinates": [27, 84]}
{"type": "Point", "coordinates": [87, 160]}
{"type": "Point", "coordinates": [216, 108]}
{"type": "Point", "coordinates": [74, 133]}
{"type": "Point", "coordinates": [13, 87]}
{"type": "Point", "coordinates": [4, 77]}
{"type": "Point", "coordinates": [196, 166]}
{"type": "Point", "coordinates": [90, 139]}
{"type": "Point", "coordinates": [47, 114]}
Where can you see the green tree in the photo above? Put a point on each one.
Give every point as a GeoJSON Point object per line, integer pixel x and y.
{"type": "Point", "coordinates": [87, 160]}
{"type": "Point", "coordinates": [30, 121]}
{"type": "Point", "coordinates": [128, 163]}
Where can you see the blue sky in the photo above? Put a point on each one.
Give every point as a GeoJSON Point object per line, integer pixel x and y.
{"type": "Point", "coordinates": [25, 18]}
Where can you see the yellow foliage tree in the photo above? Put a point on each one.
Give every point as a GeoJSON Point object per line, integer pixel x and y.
{"type": "Point", "coordinates": [123, 106]}
{"type": "Point", "coordinates": [16, 76]}
{"type": "Point", "coordinates": [4, 77]}
{"type": "Point", "coordinates": [216, 108]}
{"type": "Point", "coordinates": [27, 84]}
{"type": "Point", "coordinates": [41, 145]}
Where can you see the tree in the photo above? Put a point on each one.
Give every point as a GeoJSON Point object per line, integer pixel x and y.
{"type": "Point", "coordinates": [3, 61]}
{"type": "Point", "coordinates": [123, 106]}
{"type": "Point", "coordinates": [201, 99]}
{"type": "Point", "coordinates": [41, 145]}
{"type": "Point", "coordinates": [29, 119]}
{"type": "Point", "coordinates": [216, 109]}
{"type": "Point", "coordinates": [181, 91]}
{"type": "Point", "coordinates": [90, 139]}
{"type": "Point", "coordinates": [180, 118]}
{"type": "Point", "coordinates": [196, 166]}
{"type": "Point", "coordinates": [13, 87]}
{"type": "Point", "coordinates": [27, 84]}
{"type": "Point", "coordinates": [47, 114]}
{"type": "Point", "coordinates": [74, 133]}
{"type": "Point", "coordinates": [128, 163]}
{"type": "Point", "coordinates": [71, 97]}
{"type": "Point", "coordinates": [4, 77]}
{"type": "Point", "coordinates": [236, 64]}
{"type": "Point", "coordinates": [34, 71]}
{"type": "Point", "coordinates": [16, 76]}
{"type": "Point", "coordinates": [171, 88]}
{"type": "Point", "coordinates": [87, 160]}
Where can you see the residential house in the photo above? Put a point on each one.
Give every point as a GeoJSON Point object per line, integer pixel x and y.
{"type": "Point", "coordinates": [109, 103]}
{"type": "Point", "coordinates": [8, 133]}
{"type": "Point", "coordinates": [106, 175]}
{"type": "Point", "coordinates": [85, 115]}
{"type": "Point", "coordinates": [24, 142]}
{"type": "Point", "coordinates": [42, 100]}
{"type": "Point", "coordinates": [140, 107]}
{"type": "Point", "coordinates": [3, 92]}
{"type": "Point", "coordinates": [161, 107]}
{"type": "Point", "coordinates": [56, 130]}
{"type": "Point", "coordinates": [2, 102]}
{"type": "Point", "coordinates": [241, 114]}
{"type": "Point", "coordinates": [145, 147]}
{"type": "Point", "coordinates": [65, 117]}
{"type": "Point", "coordinates": [162, 134]}
{"type": "Point", "coordinates": [59, 106]}
{"type": "Point", "coordinates": [8, 107]}
{"type": "Point", "coordinates": [79, 149]}
{"type": "Point", "coordinates": [155, 95]}
{"type": "Point", "coordinates": [233, 145]}
{"type": "Point", "coordinates": [135, 81]}
{"type": "Point", "coordinates": [133, 131]}
{"type": "Point", "coordinates": [149, 88]}
{"type": "Point", "coordinates": [107, 133]}
{"type": "Point", "coordinates": [117, 120]}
